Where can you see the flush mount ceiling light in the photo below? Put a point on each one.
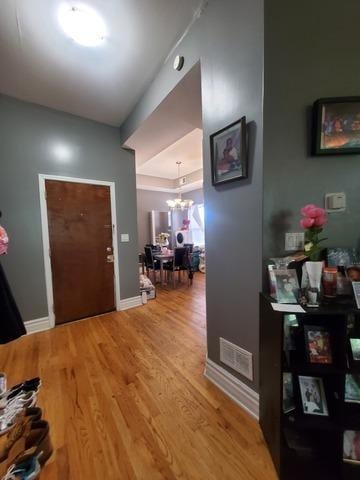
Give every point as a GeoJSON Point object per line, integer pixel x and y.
{"type": "Point", "coordinates": [82, 24]}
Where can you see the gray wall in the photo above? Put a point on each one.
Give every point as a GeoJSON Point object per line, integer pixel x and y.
{"type": "Point", "coordinates": [196, 195]}
{"type": "Point", "coordinates": [311, 51]}
{"type": "Point", "coordinates": [148, 200]}
{"type": "Point", "coordinates": [28, 136]}
{"type": "Point", "coordinates": [228, 39]}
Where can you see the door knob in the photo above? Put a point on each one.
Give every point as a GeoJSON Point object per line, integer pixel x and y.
{"type": "Point", "coordinates": [109, 249]}
{"type": "Point", "coordinates": [110, 258]}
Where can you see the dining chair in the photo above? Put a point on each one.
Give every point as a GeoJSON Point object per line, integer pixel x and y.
{"type": "Point", "coordinates": [191, 268]}
{"type": "Point", "coordinates": [178, 264]}
{"type": "Point", "coordinates": [151, 263]}
{"type": "Point", "coordinates": [189, 246]}
{"type": "Point", "coordinates": [154, 248]}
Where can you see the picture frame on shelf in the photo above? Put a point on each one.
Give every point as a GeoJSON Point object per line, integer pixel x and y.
{"type": "Point", "coordinates": [288, 393]}
{"type": "Point", "coordinates": [353, 273]}
{"type": "Point", "coordinates": [336, 126]}
{"type": "Point", "coordinates": [286, 285]}
{"type": "Point", "coordinates": [340, 257]}
{"type": "Point", "coordinates": [351, 446]}
{"type": "Point", "coordinates": [228, 149]}
{"type": "Point", "coordinates": [318, 344]}
{"type": "Point", "coordinates": [313, 396]}
{"type": "Point", "coordinates": [291, 325]}
{"type": "Point", "coordinates": [356, 289]}
{"type": "Point", "coordinates": [355, 349]}
{"type": "Point", "coordinates": [272, 281]}
{"type": "Point", "coordinates": [352, 388]}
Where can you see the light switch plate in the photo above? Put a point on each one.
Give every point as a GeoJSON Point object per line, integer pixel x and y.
{"type": "Point", "coordinates": [125, 237]}
{"type": "Point", "coordinates": [294, 241]}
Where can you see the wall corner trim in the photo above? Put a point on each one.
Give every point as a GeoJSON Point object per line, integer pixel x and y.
{"type": "Point", "coordinates": [131, 302]}
{"type": "Point", "coordinates": [240, 393]}
{"type": "Point", "coordinates": [37, 325]}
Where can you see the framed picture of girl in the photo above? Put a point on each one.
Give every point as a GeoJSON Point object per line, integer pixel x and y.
{"type": "Point", "coordinates": [229, 153]}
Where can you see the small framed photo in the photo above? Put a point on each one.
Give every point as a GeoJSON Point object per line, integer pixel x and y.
{"type": "Point", "coordinates": [318, 344]}
{"type": "Point", "coordinates": [272, 280]}
{"type": "Point", "coordinates": [352, 388]}
{"type": "Point", "coordinates": [313, 396]}
{"type": "Point", "coordinates": [340, 257]}
{"type": "Point", "coordinates": [286, 285]}
{"type": "Point", "coordinates": [229, 153]}
{"type": "Point", "coordinates": [351, 446]}
{"type": "Point", "coordinates": [356, 289]}
{"type": "Point", "coordinates": [288, 393]}
{"type": "Point", "coordinates": [355, 349]}
{"type": "Point", "coordinates": [353, 273]}
{"type": "Point", "coordinates": [336, 126]}
{"type": "Point", "coordinates": [291, 325]}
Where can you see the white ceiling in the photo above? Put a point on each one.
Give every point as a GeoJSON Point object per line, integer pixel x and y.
{"type": "Point", "coordinates": [41, 65]}
{"type": "Point", "coordinates": [187, 150]}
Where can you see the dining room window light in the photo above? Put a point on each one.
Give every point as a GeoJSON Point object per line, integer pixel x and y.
{"type": "Point", "coordinates": [197, 224]}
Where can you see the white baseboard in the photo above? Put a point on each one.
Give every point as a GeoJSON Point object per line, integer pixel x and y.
{"type": "Point", "coordinates": [243, 395]}
{"type": "Point", "coordinates": [130, 303]}
{"type": "Point", "coordinates": [37, 325]}
{"type": "Point", "coordinates": [42, 324]}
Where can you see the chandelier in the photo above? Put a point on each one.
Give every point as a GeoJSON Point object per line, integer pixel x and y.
{"type": "Point", "coordinates": [179, 203]}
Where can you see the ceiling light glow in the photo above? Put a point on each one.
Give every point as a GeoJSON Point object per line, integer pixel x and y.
{"type": "Point", "coordinates": [82, 24]}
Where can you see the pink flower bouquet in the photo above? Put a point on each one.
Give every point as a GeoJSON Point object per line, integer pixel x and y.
{"type": "Point", "coordinates": [314, 218]}
{"type": "Point", "coordinates": [4, 241]}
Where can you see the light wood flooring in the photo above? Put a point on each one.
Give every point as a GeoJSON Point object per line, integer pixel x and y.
{"type": "Point", "coordinates": [126, 397]}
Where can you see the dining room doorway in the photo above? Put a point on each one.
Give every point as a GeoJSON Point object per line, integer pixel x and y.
{"type": "Point", "coordinates": [168, 149]}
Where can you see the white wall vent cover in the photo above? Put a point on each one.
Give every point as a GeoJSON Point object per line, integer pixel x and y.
{"type": "Point", "coordinates": [236, 358]}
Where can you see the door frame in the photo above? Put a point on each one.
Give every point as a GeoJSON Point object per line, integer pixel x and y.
{"type": "Point", "coordinates": [46, 240]}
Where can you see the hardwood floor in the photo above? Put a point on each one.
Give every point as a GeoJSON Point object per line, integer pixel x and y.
{"type": "Point", "coordinates": [126, 397]}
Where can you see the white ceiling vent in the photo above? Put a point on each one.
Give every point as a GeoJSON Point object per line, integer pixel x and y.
{"type": "Point", "coordinates": [236, 358]}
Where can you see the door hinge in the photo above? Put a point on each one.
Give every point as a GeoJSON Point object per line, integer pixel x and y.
{"type": "Point", "coordinates": [49, 253]}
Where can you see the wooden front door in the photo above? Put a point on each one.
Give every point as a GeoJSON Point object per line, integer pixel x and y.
{"type": "Point", "coordinates": [81, 249]}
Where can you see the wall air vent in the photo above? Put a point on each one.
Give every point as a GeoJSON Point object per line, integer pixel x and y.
{"type": "Point", "coordinates": [236, 358]}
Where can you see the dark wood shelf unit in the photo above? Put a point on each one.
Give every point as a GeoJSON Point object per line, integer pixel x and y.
{"type": "Point", "coordinates": [306, 446]}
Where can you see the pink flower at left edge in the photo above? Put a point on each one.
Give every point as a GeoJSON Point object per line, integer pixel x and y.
{"type": "Point", "coordinates": [4, 241]}
{"type": "Point", "coordinates": [312, 211]}
{"type": "Point", "coordinates": [307, 222]}
{"type": "Point", "coordinates": [320, 221]}
{"type": "Point", "coordinates": [308, 210]}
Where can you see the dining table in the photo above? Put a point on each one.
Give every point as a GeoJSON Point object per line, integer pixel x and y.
{"type": "Point", "coordinates": [163, 257]}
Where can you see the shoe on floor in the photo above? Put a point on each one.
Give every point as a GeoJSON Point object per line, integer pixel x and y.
{"type": "Point", "coordinates": [26, 435]}
{"type": "Point", "coordinates": [9, 419]}
{"type": "Point", "coordinates": [26, 467]}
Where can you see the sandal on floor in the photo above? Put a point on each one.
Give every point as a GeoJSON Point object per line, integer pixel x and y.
{"type": "Point", "coordinates": [3, 383]}
{"type": "Point", "coordinates": [20, 389]}
{"type": "Point", "coordinates": [9, 420]}
{"type": "Point", "coordinates": [26, 435]}
{"type": "Point", "coordinates": [22, 400]}
{"type": "Point", "coordinates": [26, 467]}
{"type": "Point", "coordinates": [28, 386]}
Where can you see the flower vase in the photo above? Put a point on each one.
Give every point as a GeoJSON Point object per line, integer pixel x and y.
{"type": "Point", "coordinates": [314, 272]}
